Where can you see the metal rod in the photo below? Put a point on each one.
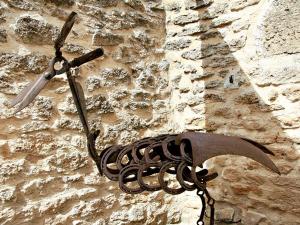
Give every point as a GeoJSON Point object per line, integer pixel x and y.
{"type": "Point", "coordinates": [78, 105]}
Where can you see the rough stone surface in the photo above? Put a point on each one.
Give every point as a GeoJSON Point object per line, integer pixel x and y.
{"type": "Point", "coordinates": [229, 67]}
{"type": "Point", "coordinates": [281, 32]}
{"type": "Point", "coordinates": [19, 4]}
{"type": "Point", "coordinates": [240, 74]}
{"type": "Point", "coordinates": [186, 18]}
{"type": "Point", "coordinates": [46, 175]}
{"type": "Point", "coordinates": [177, 44]}
{"type": "Point", "coordinates": [107, 38]}
{"type": "Point", "coordinates": [3, 35]}
{"type": "Point", "coordinates": [33, 30]}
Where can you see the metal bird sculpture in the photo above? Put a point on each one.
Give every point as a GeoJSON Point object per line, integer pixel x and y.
{"type": "Point", "coordinates": [176, 154]}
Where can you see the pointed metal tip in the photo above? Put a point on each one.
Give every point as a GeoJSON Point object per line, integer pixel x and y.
{"type": "Point", "coordinates": [273, 168]}
{"type": "Point", "coordinates": [277, 171]}
{"type": "Point", "coordinates": [13, 103]}
{"type": "Point", "coordinates": [17, 110]}
{"type": "Point", "coordinates": [21, 106]}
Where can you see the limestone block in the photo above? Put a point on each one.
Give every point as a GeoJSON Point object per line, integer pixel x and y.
{"type": "Point", "coordinates": [34, 30]}
{"type": "Point", "coordinates": [98, 103]}
{"type": "Point", "coordinates": [136, 213]}
{"type": "Point", "coordinates": [177, 44]}
{"type": "Point", "coordinates": [135, 105]}
{"type": "Point", "coordinates": [193, 29]}
{"type": "Point", "coordinates": [3, 36]}
{"type": "Point", "coordinates": [74, 49]}
{"type": "Point", "coordinates": [128, 19]}
{"type": "Point", "coordinates": [198, 4]}
{"type": "Point", "coordinates": [65, 3]}
{"type": "Point", "coordinates": [7, 214]}
{"type": "Point", "coordinates": [225, 215]}
{"type": "Point", "coordinates": [113, 76]}
{"type": "Point", "coordinates": [280, 30]}
{"type": "Point", "coordinates": [11, 168]}
{"type": "Point", "coordinates": [194, 54]}
{"type": "Point", "coordinates": [186, 19]}
{"type": "Point", "coordinates": [215, 10]}
{"type": "Point", "coordinates": [241, 4]}
{"type": "Point", "coordinates": [247, 97]}
{"type": "Point", "coordinates": [107, 38]}
{"type": "Point", "coordinates": [210, 34]}
{"type": "Point", "coordinates": [135, 4]}
{"type": "Point", "coordinates": [127, 54]}
{"type": "Point", "coordinates": [100, 4]}
{"type": "Point", "coordinates": [219, 61]}
{"type": "Point", "coordinates": [93, 83]}
{"type": "Point", "coordinates": [65, 123]}
{"type": "Point", "coordinates": [224, 20]}
{"type": "Point", "coordinates": [7, 193]}
{"type": "Point", "coordinates": [32, 63]}
{"type": "Point", "coordinates": [292, 93]}
{"type": "Point", "coordinates": [277, 71]}
{"type": "Point", "coordinates": [21, 4]}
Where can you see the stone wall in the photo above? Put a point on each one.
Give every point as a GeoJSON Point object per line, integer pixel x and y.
{"type": "Point", "coordinates": [47, 176]}
{"type": "Point", "coordinates": [217, 66]}
{"type": "Point", "coordinates": [234, 69]}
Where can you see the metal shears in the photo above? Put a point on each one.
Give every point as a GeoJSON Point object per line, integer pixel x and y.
{"type": "Point", "coordinates": [28, 94]}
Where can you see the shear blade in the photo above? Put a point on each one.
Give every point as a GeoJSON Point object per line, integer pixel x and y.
{"type": "Point", "coordinates": [65, 31]}
{"type": "Point", "coordinates": [28, 94]}
{"type": "Point", "coordinates": [22, 94]}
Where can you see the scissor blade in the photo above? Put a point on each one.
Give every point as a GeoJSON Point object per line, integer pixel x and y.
{"type": "Point", "coordinates": [65, 31]}
{"type": "Point", "coordinates": [22, 94]}
{"type": "Point", "coordinates": [32, 92]}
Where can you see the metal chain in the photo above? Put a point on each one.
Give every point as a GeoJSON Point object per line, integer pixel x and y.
{"type": "Point", "coordinates": [200, 193]}
{"type": "Point", "coordinates": [210, 202]}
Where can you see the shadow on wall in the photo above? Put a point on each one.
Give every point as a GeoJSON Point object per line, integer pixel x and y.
{"type": "Point", "coordinates": [42, 146]}
{"type": "Point", "coordinates": [233, 107]}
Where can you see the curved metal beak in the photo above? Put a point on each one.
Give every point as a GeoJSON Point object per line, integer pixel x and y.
{"type": "Point", "coordinates": [205, 146]}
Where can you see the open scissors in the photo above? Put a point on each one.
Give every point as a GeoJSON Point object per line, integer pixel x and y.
{"type": "Point", "coordinates": [28, 94]}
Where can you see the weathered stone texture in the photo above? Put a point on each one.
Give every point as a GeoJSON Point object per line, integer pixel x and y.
{"type": "Point", "coordinates": [103, 38]}
{"type": "Point", "coordinates": [186, 18]}
{"type": "Point", "coordinates": [228, 67]}
{"type": "Point", "coordinates": [3, 35]}
{"type": "Point", "coordinates": [281, 32]}
{"type": "Point", "coordinates": [33, 30]}
{"type": "Point", "coordinates": [230, 43]}
{"type": "Point", "coordinates": [46, 175]}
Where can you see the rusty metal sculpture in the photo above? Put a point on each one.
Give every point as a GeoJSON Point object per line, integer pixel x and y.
{"type": "Point", "coordinates": [176, 154]}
